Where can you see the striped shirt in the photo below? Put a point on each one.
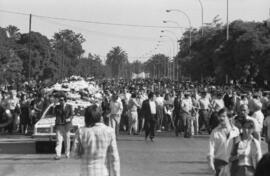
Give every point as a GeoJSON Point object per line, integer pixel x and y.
{"type": "Point", "coordinates": [98, 151]}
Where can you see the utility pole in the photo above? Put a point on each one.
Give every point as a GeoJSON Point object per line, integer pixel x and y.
{"type": "Point", "coordinates": [29, 44]}
{"type": "Point", "coordinates": [227, 36]}
{"type": "Point", "coordinates": [62, 74]}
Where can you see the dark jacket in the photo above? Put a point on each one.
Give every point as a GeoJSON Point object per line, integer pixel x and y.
{"type": "Point", "coordinates": [146, 111]}
{"type": "Point", "coordinates": [177, 107]}
{"type": "Point", "coordinates": [63, 116]}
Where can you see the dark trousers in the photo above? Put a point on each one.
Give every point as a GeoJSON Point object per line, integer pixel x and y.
{"type": "Point", "coordinates": [140, 121]}
{"type": "Point", "coordinates": [219, 164]}
{"type": "Point", "coordinates": [149, 126]}
{"type": "Point", "coordinates": [177, 123]}
{"type": "Point", "coordinates": [213, 122]}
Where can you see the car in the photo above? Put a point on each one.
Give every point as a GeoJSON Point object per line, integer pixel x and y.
{"type": "Point", "coordinates": [44, 129]}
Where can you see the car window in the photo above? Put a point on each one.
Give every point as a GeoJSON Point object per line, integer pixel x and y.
{"type": "Point", "coordinates": [50, 112]}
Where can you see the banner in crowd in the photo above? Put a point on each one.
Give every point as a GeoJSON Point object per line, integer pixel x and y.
{"type": "Point", "coordinates": [141, 75]}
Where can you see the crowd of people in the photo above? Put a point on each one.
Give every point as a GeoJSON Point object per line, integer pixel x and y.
{"type": "Point", "coordinates": [20, 110]}
{"type": "Point", "coordinates": [236, 118]}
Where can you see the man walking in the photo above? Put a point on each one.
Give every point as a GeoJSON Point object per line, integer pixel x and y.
{"type": "Point", "coordinates": [177, 114]}
{"type": "Point", "coordinates": [220, 143]}
{"type": "Point", "coordinates": [96, 145]}
{"type": "Point", "coordinates": [186, 107]}
{"type": "Point", "coordinates": [116, 107]}
{"type": "Point", "coordinates": [149, 111]}
{"type": "Point", "coordinates": [64, 114]}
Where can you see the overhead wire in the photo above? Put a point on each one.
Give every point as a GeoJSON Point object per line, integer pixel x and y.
{"type": "Point", "coordinates": [93, 22]}
{"type": "Point", "coordinates": [49, 18]}
{"type": "Point", "coordinates": [100, 33]}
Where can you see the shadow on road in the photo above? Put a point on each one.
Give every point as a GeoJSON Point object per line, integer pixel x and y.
{"type": "Point", "coordinates": [25, 158]}
{"type": "Point", "coordinates": [195, 173]}
{"type": "Point", "coordinates": [183, 162]}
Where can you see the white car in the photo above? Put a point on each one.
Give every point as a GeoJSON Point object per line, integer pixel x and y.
{"type": "Point", "coordinates": [44, 129]}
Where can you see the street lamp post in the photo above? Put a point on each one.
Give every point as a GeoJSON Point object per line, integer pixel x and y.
{"type": "Point", "coordinates": [227, 19]}
{"type": "Point", "coordinates": [170, 55]}
{"type": "Point", "coordinates": [189, 21]}
{"type": "Point", "coordinates": [202, 13]}
{"type": "Point", "coordinates": [175, 66]}
{"type": "Point", "coordinates": [171, 39]}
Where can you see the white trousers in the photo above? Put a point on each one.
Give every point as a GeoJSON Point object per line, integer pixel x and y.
{"type": "Point", "coordinates": [195, 124]}
{"type": "Point", "coordinates": [62, 133]}
{"type": "Point", "coordinates": [133, 121]}
{"type": "Point", "coordinates": [115, 122]}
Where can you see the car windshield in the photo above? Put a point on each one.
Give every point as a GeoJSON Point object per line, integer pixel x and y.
{"type": "Point", "coordinates": [78, 111]}
{"type": "Point", "coordinates": [50, 112]}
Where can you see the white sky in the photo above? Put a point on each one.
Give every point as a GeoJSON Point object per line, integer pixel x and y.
{"type": "Point", "coordinates": [135, 41]}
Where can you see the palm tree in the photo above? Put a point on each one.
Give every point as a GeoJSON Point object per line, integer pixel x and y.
{"type": "Point", "coordinates": [117, 59]}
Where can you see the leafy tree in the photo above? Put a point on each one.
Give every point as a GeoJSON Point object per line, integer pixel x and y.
{"type": "Point", "coordinates": [42, 64]}
{"type": "Point", "coordinates": [68, 49]}
{"type": "Point", "coordinates": [157, 65]}
{"type": "Point", "coordinates": [245, 56]}
{"type": "Point", "coordinates": [10, 63]}
{"type": "Point", "coordinates": [90, 66]}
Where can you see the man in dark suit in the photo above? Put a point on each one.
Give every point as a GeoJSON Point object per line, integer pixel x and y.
{"type": "Point", "coordinates": [177, 113]}
{"type": "Point", "coordinates": [63, 124]}
{"type": "Point", "coordinates": [149, 112]}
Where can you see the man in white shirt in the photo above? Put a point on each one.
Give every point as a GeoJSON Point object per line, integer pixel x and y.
{"type": "Point", "coordinates": [220, 143]}
{"type": "Point", "coordinates": [116, 107]}
{"type": "Point", "coordinates": [259, 117]}
{"type": "Point", "coordinates": [160, 107]}
{"type": "Point", "coordinates": [12, 106]}
{"type": "Point", "coordinates": [186, 106]}
{"type": "Point", "coordinates": [205, 106]}
{"type": "Point", "coordinates": [240, 119]}
{"type": "Point", "coordinates": [96, 145]}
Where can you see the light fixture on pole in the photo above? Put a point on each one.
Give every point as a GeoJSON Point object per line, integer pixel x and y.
{"type": "Point", "coordinates": [189, 21]}
{"type": "Point", "coordinates": [201, 4]}
{"type": "Point", "coordinates": [176, 63]}
{"type": "Point", "coordinates": [173, 66]}
{"type": "Point", "coordinates": [227, 19]}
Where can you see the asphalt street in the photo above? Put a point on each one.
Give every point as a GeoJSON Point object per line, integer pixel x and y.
{"type": "Point", "coordinates": [166, 156]}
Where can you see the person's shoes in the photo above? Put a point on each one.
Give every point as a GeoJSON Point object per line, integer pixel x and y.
{"type": "Point", "coordinates": [152, 139]}
{"type": "Point", "coordinates": [57, 158]}
{"type": "Point", "coordinates": [67, 156]}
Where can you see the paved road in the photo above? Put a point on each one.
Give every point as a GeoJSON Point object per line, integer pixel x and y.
{"type": "Point", "coordinates": [167, 156]}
